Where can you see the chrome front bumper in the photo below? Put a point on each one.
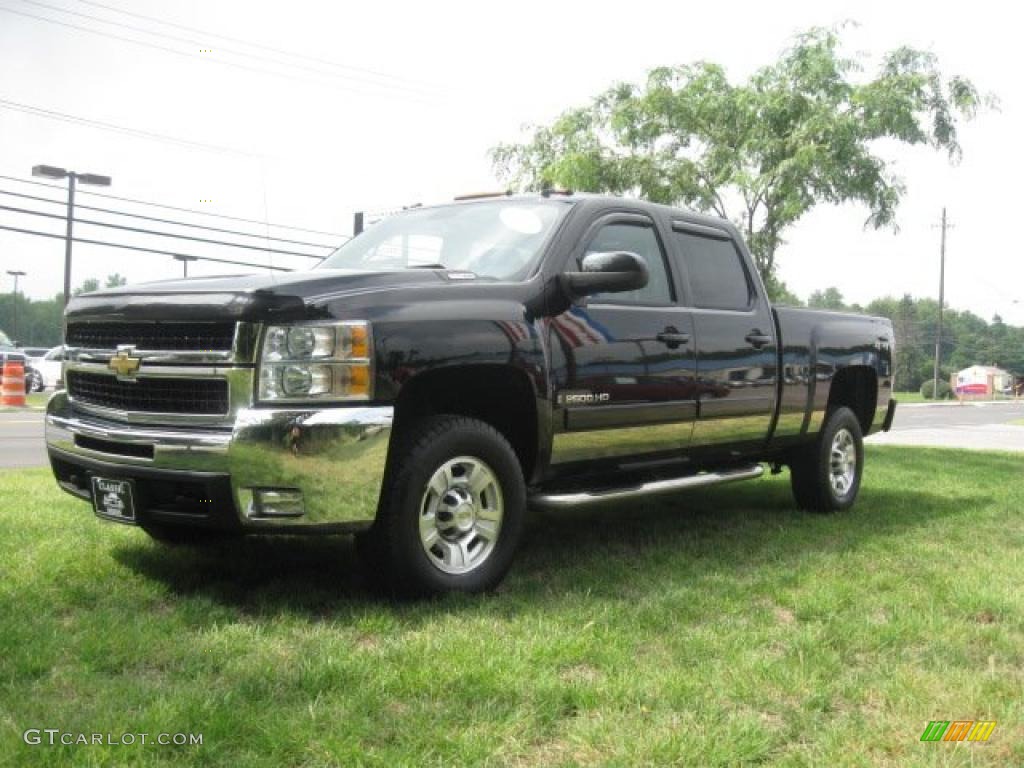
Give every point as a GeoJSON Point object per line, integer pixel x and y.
{"type": "Point", "coordinates": [333, 457]}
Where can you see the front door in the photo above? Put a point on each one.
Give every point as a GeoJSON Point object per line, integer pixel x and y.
{"type": "Point", "coordinates": [736, 352]}
{"type": "Point", "coordinates": [624, 363]}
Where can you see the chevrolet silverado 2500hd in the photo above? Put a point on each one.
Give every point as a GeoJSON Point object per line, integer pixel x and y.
{"type": "Point", "coordinates": [451, 366]}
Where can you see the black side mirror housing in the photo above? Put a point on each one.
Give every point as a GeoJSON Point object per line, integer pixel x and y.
{"type": "Point", "coordinates": [612, 272]}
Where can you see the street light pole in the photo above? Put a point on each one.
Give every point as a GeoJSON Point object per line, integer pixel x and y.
{"type": "Point", "coordinates": [15, 273]}
{"type": "Point", "coordinates": [184, 262]}
{"type": "Point", "coordinates": [67, 240]}
{"type": "Point", "coordinates": [52, 172]}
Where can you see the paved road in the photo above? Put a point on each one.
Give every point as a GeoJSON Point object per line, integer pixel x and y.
{"type": "Point", "coordinates": [979, 426]}
{"type": "Point", "coordinates": [21, 439]}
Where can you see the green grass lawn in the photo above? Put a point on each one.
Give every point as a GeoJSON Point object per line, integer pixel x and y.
{"type": "Point", "coordinates": [32, 400]}
{"type": "Point", "coordinates": [718, 628]}
{"type": "Point", "coordinates": [37, 399]}
{"type": "Point", "coordinates": [911, 397]}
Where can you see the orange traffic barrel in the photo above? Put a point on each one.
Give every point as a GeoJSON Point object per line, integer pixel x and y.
{"type": "Point", "coordinates": [12, 386]}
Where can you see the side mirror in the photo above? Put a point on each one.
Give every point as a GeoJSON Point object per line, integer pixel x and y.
{"type": "Point", "coordinates": [606, 273]}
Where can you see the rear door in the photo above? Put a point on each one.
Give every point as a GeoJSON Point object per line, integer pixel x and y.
{"type": "Point", "coordinates": [624, 363]}
{"type": "Point", "coordinates": [736, 345]}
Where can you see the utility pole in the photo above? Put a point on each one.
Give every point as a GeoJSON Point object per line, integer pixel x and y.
{"type": "Point", "coordinates": [15, 273]}
{"type": "Point", "coordinates": [942, 299]}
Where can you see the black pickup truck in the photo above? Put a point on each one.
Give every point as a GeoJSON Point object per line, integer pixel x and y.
{"type": "Point", "coordinates": [452, 366]}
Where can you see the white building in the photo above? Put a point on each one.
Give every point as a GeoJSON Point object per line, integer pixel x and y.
{"type": "Point", "coordinates": [983, 380]}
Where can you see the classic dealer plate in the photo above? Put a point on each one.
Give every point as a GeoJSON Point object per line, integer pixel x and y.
{"type": "Point", "coordinates": [112, 499]}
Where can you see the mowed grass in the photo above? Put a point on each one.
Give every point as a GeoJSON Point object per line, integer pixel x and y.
{"type": "Point", "coordinates": [718, 628]}
{"type": "Point", "coordinates": [34, 400]}
{"type": "Point", "coordinates": [911, 397]}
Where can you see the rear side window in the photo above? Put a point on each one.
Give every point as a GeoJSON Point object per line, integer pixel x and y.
{"type": "Point", "coordinates": [641, 240]}
{"type": "Point", "coordinates": [715, 271]}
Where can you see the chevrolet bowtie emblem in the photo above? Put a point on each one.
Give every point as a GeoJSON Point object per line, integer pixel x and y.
{"type": "Point", "coordinates": [123, 364]}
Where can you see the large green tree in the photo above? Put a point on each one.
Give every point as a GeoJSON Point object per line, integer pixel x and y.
{"type": "Point", "coordinates": [799, 132]}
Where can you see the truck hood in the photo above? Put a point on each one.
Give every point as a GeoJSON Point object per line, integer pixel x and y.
{"type": "Point", "coordinates": [241, 297]}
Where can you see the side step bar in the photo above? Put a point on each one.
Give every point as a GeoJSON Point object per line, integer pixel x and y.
{"type": "Point", "coordinates": [555, 501]}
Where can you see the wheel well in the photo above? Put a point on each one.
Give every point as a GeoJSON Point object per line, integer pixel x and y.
{"type": "Point", "coordinates": [499, 395]}
{"type": "Point", "coordinates": [855, 387]}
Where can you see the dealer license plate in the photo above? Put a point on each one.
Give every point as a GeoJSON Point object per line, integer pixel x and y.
{"type": "Point", "coordinates": [112, 499]}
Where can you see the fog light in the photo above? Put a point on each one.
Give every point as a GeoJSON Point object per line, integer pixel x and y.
{"type": "Point", "coordinates": [276, 502]}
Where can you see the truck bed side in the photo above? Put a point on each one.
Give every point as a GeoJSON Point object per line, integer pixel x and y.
{"type": "Point", "coordinates": [825, 354]}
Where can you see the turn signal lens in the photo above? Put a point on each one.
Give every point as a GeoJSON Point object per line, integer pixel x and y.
{"type": "Point", "coordinates": [359, 342]}
{"type": "Point", "coordinates": [358, 380]}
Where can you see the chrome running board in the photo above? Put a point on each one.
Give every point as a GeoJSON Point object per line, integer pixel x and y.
{"type": "Point", "coordinates": [555, 501]}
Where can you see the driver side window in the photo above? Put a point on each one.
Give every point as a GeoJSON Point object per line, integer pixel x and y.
{"type": "Point", "coordinates": [642, 240]}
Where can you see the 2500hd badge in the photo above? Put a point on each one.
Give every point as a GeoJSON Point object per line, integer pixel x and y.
{"type": "Point", "coordinates": [451, 366]}
{"type": "Point", "coordinates": [583, 398]}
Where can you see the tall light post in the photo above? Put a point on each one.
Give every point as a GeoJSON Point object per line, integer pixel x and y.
{"type": "Point", "coordinates": [15, 273]}
{"type": "Point", "coordinates": [52, 172]}
{"type": "Point", "coordinates": [184, 262]}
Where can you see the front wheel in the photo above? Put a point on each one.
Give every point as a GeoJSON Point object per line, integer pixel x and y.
{"type": "Point", "coordinates": [452, 511]}
{"type": "Point", "coordinates": [826, 474]}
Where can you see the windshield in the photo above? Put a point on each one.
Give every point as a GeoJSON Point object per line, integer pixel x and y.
{"type": "Point", "coordinates": [495, 238]}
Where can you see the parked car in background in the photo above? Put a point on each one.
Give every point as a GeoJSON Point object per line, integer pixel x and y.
{"type": "Point", "coordinates": [33, 379]}
{"type": "Point", "coordinates": [47, 363]}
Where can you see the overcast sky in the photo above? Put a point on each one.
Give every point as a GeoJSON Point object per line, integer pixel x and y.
{"type": "Point", "coordinates": [428, 89]}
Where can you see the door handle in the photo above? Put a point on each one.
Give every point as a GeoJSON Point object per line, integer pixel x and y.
{"type": "Point", "coordinates": [672, 338]}
{"type": "Point", "coordinates": [757, 339]}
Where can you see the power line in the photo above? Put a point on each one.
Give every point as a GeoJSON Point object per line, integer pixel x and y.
{"type": "Point", "coordinates": [140, 230]}
{"type": "Point", "coordinates": [143, 250]}
{"type": "Point", "coordinates": [235, 52]}
{"type": "Point", "coordinates": [251, 44]}
{"type": "Point", "coordinates": [176, 52]}
{"type": "Point", "coordinates": [75, 119]}
{"type": "Point", "coordinates": [173, 222]}
{"type": "Point", "coordinates": [176, 208]}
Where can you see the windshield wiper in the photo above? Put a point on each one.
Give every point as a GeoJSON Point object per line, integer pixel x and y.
{"type": "Point", "coordinates": [427, 266]}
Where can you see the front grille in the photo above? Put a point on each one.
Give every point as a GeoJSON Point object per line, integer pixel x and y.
{"type": "Point", "coordinates": [150, 395]}
{"type": "Point", "coordinates": [191, 337]}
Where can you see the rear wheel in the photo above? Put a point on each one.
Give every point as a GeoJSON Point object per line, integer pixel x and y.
{"type": "Point", "coordinates": [826, 474]}
{"type": "Point", "coordinates": [452, 511]}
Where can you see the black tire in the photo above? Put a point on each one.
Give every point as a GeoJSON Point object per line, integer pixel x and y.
{"type": "Point", "coordinates": [811, 467]}
{"type": "Point", "coordinates": [187, 536]}
{"type": "Point", "coordinates": [34, 381]}
{"type": "Point", "coordinates": [393, 550]}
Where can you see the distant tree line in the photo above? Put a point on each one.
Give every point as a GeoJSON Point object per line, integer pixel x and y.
{"type": "Point", "coordinates": [967, 339]}
{"type": "Point", "coordinates": [39, 322]}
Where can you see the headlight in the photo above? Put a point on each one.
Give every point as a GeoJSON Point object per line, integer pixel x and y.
{"type": "Point", "coordinates": [315, 362]}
